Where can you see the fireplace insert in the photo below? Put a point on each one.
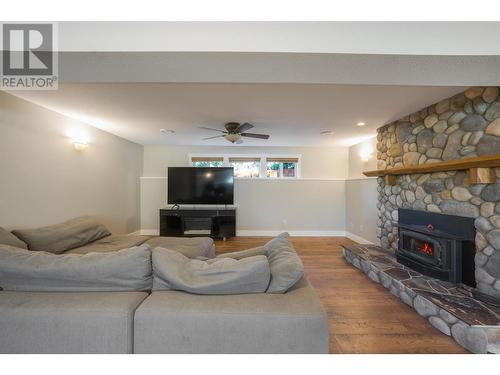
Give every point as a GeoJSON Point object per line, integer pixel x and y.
{"type": "Point", "coordinates": [437, 245]}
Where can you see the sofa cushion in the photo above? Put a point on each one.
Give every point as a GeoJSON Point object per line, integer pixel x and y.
{"type": "Point", "coordinates": [172, 270]}
{"type": "Point", "coordinates": [111, 243]}
{"type": "Point", "coordinates": [286, 266]}
{"type": "Point", "coordinates": [190, 247]}
{"type": "Point", "coordinates": [177, 322]}
{"type": "Point", "coordinates": [65, 236]}
{"type": "Point", "coordinates": [58, 322]}
{"type": "Point", "coordinates": [7, 238]}
{"type": "Point", "coordinates": [124, 270]}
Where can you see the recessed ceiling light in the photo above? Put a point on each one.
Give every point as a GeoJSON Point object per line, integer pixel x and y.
{"type": "Point", "coordinates": [361, 124]}
{"type": "Point", "coordinates": [326, 132]}
{"type": "Point", "coordinates": [169, 131]}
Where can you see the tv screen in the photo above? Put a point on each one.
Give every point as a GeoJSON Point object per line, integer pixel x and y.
{"type": "Point", "coordinates": [193, 185]}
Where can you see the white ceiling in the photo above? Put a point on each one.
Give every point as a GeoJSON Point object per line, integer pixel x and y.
{"type": "Point", "coordinates": [379, 38]}
{"type": "Point", "coordinates": [293, 114]}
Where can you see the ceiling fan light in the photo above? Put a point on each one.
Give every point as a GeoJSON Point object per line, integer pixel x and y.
{"type": "Point", "coordinates": [233, 137]}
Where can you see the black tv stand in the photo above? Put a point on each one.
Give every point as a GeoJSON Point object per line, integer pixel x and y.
{"type": "Point", "coordinates": [198, 222]}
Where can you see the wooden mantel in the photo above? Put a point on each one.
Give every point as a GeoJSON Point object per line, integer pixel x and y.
{"type": "Point", "coordinates": [480, 169]}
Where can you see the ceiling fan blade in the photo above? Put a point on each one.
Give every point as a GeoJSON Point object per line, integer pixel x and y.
{"type": "Point", "coordinates": [217, 136]}
{"type": "Point", "coordinates": [244, 127]}
{"type": "Point", "coordinates": [253, 135]}
{"type": "Point", "coordinates": [217, 130]}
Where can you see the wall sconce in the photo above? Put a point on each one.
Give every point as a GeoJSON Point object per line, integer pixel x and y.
{"type": "Point", "coordinates": [79, 138]}
{"type": "Point", "coordinates": [366, 153]}
{"type": "Point", "coordinates": [80, 146]}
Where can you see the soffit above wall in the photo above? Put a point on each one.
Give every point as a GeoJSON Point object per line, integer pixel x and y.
{"type": "Point", "coordinates": [383, 53]}
{"type": "Point", "coordinates": [222, 67]}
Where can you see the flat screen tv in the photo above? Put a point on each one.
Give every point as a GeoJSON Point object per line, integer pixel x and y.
{"type": "Point", "coordinates": [194, 185]}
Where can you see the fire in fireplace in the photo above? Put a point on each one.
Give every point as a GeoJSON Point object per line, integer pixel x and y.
{"type": "Point", "coordinates": [437, 245]}
{"type": "Point", "coordinates": [422, 247]}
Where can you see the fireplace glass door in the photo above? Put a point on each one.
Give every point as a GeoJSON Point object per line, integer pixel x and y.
{"type": "Point", "coordinates": [421, 247]}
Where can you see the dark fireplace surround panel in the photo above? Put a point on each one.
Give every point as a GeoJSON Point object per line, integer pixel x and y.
{"type": "Point", "coordinates": [437, 245]}
{"type": "Point", "coordinates": [465, 125]}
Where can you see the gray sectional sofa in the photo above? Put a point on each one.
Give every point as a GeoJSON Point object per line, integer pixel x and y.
{"type": "Point", "coordinates": [68, 322]}
{"type": "Point", "coordinates": [161, 321]}
{"type": "Point", "coordinates": [178, 322]}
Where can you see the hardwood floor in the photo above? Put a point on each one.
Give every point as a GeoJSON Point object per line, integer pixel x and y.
{"type": "Point", "coordinates": [363, 316]}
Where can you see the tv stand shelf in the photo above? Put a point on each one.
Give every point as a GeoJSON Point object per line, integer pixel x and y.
{"type": "Point", "coordinates": [198, 222]}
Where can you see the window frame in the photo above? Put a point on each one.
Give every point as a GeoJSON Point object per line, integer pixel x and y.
{"type": "Point", "coordinates": [280, 159]}
{"type": "Point", "coordinates": [202, 159]}
{"type": "Point", "coordinates": [243, 159]}
{"type": "Point", "coordinates": [263, 163]}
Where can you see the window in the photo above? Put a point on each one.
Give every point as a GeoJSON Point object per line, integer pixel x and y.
{"type": "Point", "coordinates": [281, 167]}
{"type": "Point", "coordinates": [246, 167]}
{"type": "Point", "coordinates": [207, 161]}
{"type": "Point", "coordinates": [252, 166]}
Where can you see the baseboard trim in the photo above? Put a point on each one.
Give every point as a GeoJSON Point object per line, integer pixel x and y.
{"type": "Point", "coordinates": [273, 233]}
{"type": "Point", "coordinates": [358, 239]}
{"type": "Point", "coordinates": [264, 233]}
{"type": "Point", "coordinates": [293, 233]}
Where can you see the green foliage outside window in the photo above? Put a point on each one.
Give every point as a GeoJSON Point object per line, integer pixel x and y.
{"type": "Point", "coordinates": [207, 164]}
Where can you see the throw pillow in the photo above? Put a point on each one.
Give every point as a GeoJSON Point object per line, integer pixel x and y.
{"type": "Point", "coordinates": [173, 270]}
{"type": "Point", "coordinates": [39, 271]}
{"type": "Point", "coordinates": [7, 238]}
{"type": "Point", "coordinates": [286, 266]}
{"type": "Point", "coordinates": [64, 236]}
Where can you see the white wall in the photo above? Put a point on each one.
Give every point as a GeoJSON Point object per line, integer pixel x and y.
{"type": "Point", "coordinates": [361, 209]}
{"type": "Point", "coordinates": [361, 193]}
{"type": "Point", "coordinates": [314, 204]}
{"type": "Point", "coordinates": [44, 180]}
{"type": "Point", "coordinates": [317, 162]}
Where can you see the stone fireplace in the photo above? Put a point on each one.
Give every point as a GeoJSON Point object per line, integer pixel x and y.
{"type": "Point", "coordinates": [463, 126]}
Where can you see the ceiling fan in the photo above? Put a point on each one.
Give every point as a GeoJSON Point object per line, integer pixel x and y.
{"type": "Point", "coordinates": [234, 131]}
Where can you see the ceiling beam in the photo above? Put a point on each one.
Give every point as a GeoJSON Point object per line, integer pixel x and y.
{"type": "Point", "coordinates": [226, 67]}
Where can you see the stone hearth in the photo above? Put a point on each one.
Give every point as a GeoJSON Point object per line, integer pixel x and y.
{"type": "Point", "coordinates": [450, 309]}
{"type": "Point", "coordinates": [466, 125]}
